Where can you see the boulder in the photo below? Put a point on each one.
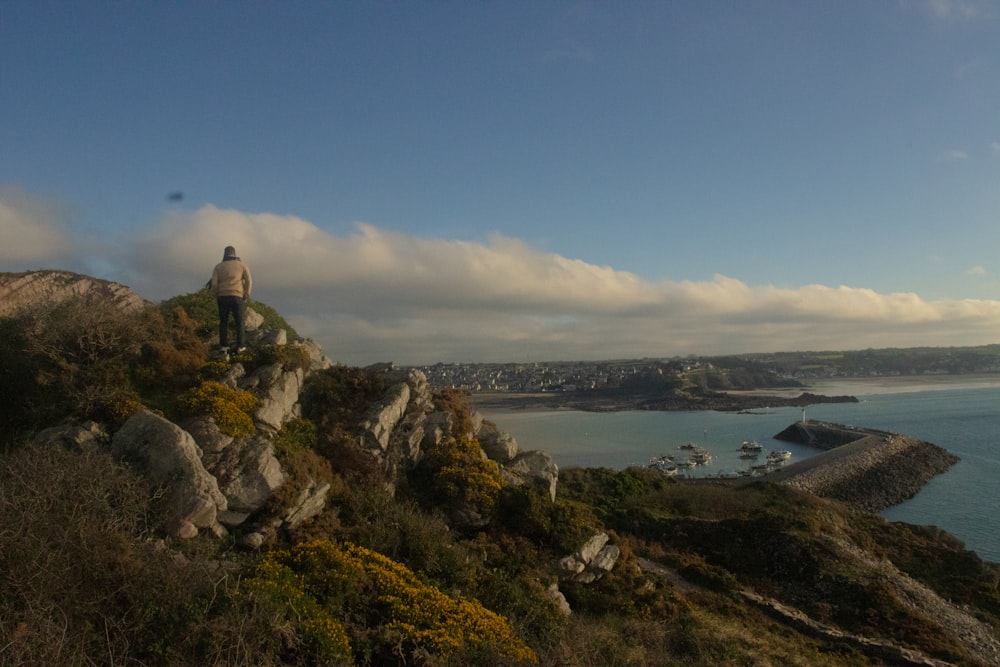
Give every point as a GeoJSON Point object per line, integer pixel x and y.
{"type": "Point", "coordinates": [248, 474]}
{"type": "Point", "coordinates": [278, 391]}
{"type": "Point", "coordinates": [310, 502]}
{"type": "Point", "coordinates": [274, 337]}
{"type": "Point", "coordinates": [554, 594]}
{"type": "Point", "coordinates": [533, 466]}
{"type": "Point", "coordinates": [437, 425]}
{"type": "Point", "coordinates": [592, 546]}
{"type": "Point", "coordinates": [73, 435]}
{"type": "Point", "coordinates": [167, 457]}
{"type": "Point", "coordinates": [318, 360]}
{"type": "Point", "coordinates": [253, 320]}
{"type": "Point", "coordinates": [210, 440]}
{"type": "Point", "coordinates": [384, 416]}
{"type": "Point", "coordinates": [591, 562]}
{"type": "Point", "coordinates": [498, 445]}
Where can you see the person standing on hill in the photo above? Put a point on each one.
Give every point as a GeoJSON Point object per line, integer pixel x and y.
{"type": "Point", "coordinates": [231, 284]}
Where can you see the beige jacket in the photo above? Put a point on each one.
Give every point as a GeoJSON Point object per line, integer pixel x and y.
{"type": "Point", "coordinates": [231, 277]}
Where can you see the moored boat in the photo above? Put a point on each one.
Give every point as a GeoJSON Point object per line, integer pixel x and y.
{"type": "Point", "coordinates": [779, 456]}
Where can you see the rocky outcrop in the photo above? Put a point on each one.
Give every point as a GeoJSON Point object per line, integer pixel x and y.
{"type": "Point", "coordinates": [533, 466]}
{"type": "Point", "coordinates": [248, 473]}
{"type": "Point", "coordinates": [278, 390]}
{"type": "Point", "coordinates": [31, 288]}
{"type": "Point", "coordinates": [498, 445]}
{"type": "Point", "coordinates": [169, 460]}
{"type": "Point", "coordinates": [591, 562]}
{"type": "Point", "coordinates": [73, 435]}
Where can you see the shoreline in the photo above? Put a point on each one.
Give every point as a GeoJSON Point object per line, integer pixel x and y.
{"type": "Point", "coordinates": [500, 402]}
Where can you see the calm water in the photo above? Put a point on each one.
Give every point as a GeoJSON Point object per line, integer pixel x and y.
{"type": "Point", "coordinates": [962, 418]}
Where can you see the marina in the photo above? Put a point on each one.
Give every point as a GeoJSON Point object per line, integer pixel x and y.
{"type": "Point", "coordinates": [960, 416]}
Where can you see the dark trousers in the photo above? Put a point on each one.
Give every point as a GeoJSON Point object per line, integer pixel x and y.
{"type": "Point", "coordinates": [238, 308]}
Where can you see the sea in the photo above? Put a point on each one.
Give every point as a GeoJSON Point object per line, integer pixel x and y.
{"type": "Point", "coordinates": [959, 413]}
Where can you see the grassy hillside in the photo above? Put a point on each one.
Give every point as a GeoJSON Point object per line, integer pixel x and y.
{"type": "Point", "coordinates": [384, 579]}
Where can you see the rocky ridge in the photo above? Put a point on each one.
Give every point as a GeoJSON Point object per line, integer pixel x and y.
{"type": "Point", "coordinates": [215, 484]}
{"type": "Point", "coordinates": [18, 290]}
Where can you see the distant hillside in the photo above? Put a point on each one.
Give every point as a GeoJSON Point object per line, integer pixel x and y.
{"type": "Point", "coordinates": [18, 290]}
{"type": "Point", "coordinates": [167, 504]}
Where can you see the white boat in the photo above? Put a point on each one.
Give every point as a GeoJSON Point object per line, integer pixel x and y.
{"type": "Point", "coordinates": [779, 456]}
{"type": "Point", "coordinates": [664, 464]}
{"type": "Point", "coordinates": [701, 456]}
{"type": "Point", "coordinates": [751, 447]}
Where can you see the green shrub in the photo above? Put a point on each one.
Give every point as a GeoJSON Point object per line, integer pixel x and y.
{"type": "Point", "coordinates": [289, 357]}
{"type": "Point", "coordinates": [401, 530]}
{"type": "Point", "coordinates": [339, 397]}
{"type": "Point", "coordinates": [202, 308]}
{"type": "Point", "coordinates": [199, 307]}
{"type": "Point", "coordinates": [273, 320]}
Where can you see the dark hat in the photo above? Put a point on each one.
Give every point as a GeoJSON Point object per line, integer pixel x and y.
{"type": "Point", "coordinates": [229, 252]}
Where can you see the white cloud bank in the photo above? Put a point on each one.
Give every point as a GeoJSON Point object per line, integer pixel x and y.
{"type": "Point", "coordinates": [377, 295]}
{"type": "Point", "coordinates": [31, 229]}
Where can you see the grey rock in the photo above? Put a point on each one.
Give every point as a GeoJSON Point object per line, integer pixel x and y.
{"type": "Point", "coordinates": [73, 435]}
{"type": "Point", "coordinates": [534, 465]}
{"type": "Point", "coordinates": [498, 445]}
{"type": "Point", "coordinates": [248, 473]}
{"type": "Point", "coordinates": [167, 458]}
{"type": "Point", "coordinates": [384, 417]}
{"type": "Point", "coordinates": [310, 502]}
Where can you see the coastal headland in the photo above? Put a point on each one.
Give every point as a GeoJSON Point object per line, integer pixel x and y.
{"type": "Point", "coordinates": [595, 402]}
{"type": "Point", "coordinates": [868, 468]}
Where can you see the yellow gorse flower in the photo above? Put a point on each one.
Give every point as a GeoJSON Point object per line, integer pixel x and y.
{"type": "Point", "coordinates": [232, 409]}
{"type": "Point", "coordinates": [320, 582]}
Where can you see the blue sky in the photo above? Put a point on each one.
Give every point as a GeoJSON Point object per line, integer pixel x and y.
{"type": "Point", "coordinates": [462, 181]}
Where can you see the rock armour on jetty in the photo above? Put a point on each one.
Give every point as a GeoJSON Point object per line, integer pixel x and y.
{"type": "Point", "coordinates": [873, 470]}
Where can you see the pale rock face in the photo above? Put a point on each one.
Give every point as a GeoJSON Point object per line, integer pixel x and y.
{"type": "Point", "coordinates": [310, 502]}
{"type": "Point", "coordinates": [595, 558]}
{"type": "Point", "coordinates": [208, 437]}
{"type": "Point", "coordinates": [556, 596]}
{"type": "Point", "coordinates": [278, 391]}
{"type": "Point", "coordinates": [22, 289]}
{"type": "Point", "coordinates": [593, 546]}
{"type": "Point", "coordinates": [378, 428]}
{"type": "Point", "coordinates": [168, 459]}
{"type": "Point", "coordinates": [317, 358]}
{"type": "Point", "coordinates": [248, 474]}
{"type": "Point", "coordinates": [534, 465]}
{"type": "Point", "coordinates": [498, 445]}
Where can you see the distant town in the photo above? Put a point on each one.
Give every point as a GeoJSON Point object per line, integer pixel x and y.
{"type": "Point", "coordinates": [736, 372]}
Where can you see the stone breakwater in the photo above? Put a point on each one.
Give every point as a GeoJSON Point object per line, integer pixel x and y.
{"type": "Point", "coordinates": [867, 468]}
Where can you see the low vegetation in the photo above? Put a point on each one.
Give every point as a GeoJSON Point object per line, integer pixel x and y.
{"type": "Point", "coordinates": [385, 576]}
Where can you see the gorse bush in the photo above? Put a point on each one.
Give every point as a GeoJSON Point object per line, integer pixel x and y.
{"type": "Point", "coordinates": [392, 616]}
{"type": "Point", "coordinates": [455, 472]}
{"type": "Point", "coordinates": [232, 409]}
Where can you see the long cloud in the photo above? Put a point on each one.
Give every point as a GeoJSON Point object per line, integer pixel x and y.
{"type": "Point", "coordinates": [378, 295]}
